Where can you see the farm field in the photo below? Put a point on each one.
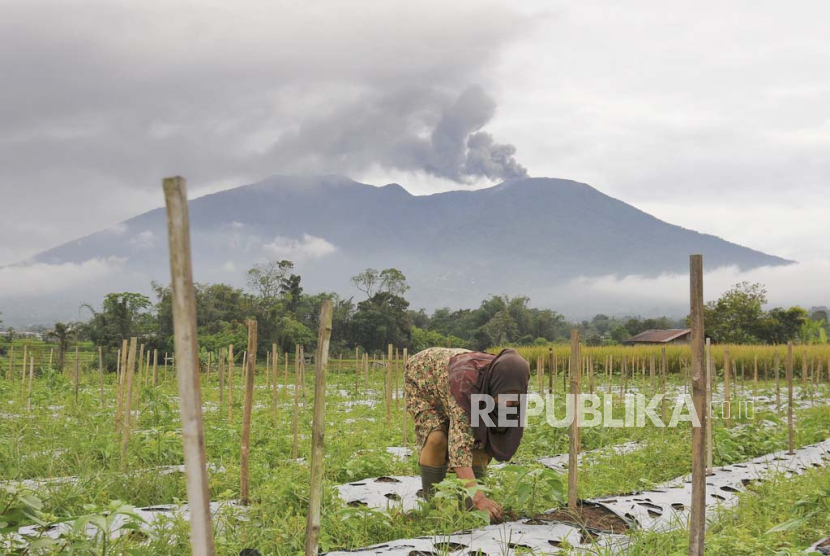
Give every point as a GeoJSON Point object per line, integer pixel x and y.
{"type": "Point", "coordinates": [64, 480]}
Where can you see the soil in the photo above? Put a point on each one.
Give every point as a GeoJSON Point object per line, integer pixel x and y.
{"type": "Point", "coordinates": [824, 547]}
{"type": "Point", "coordinates": [589, 516]}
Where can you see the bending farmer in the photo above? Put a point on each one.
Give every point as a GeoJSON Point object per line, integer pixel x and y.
{"type": "Point", "coordinates": [439, 385]}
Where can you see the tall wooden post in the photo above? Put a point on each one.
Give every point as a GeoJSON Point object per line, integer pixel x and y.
{"type": "Point", "coordinates": [403, 379]}
{"type": "Point", "coordinates": [31, 383]}
{"type": "Point", "coordinates": [222, 358]}
{"type": "Point", "coordinates": [697, 517]}
{"type": "Point", "coordinates": [101, 371]}
{"type": "Point", "coordinates": [727, 394]}
{"type": "Point", "coordinates": [128, 403]}
{"type": "Point", "coordinates": [551, 370]}
{"type": "Point", "coordinates": [709, 386]}
{"type": "Point", "coordinates": [190, 395]}
{"type": "Point", "coordinates": [755, 377]}
{"type": "Point", "coordinates": [294, 449]}
{"type": "Point", "coordinates": [777, 365]}
{"type": "Point", "coordinates": [230, 383]}
{"type": "Point", "coordinates": [246, 413]}
{"type": "Point", "coordinates": [23, 377]}
{"type": "Point", "coordinates": [573, 429]}
{"type": "Point", "coordinates": [663, 372]}
{"type": "Point", "coordinates": [389, 386]}
{"type": "Point", "coordinates": [275, 377]}
{"type": "Point", "coordinates": [10, 372]}
{"type": "Point", "coordinates": [77, 373]}
{"type": "Point", "coordinates": [122, 358]}
{"type": "Point", "coordinates": [315, 495]}
{"type": "Point", "coordinates": [140, 369]}
{"type": "Point", "coordinates": [789, 370]}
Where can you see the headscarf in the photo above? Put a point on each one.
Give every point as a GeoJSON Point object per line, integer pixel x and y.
{"type": "Point", "coordinates": [481, 373]}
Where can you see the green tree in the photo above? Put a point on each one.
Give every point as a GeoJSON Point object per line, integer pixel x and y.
{"type": "Point", "coordinates": [779, 326]}
{"type": "Point", "coordinates": [267, 279]}
{"type": "Point", "coordinates": [502, 328]}
{"type": "Point", "coordinates": [735, 316]}
{"type": "Point", "coordinates": [62, 334]}
{"type": "Point", "coordinates": [390, 280]}
{"type": "Point", "coordinates": [292, 292]}
{"type": "Point", "coordinates": [122, 315]}
{"type": "Point", "coordinates": [381, 320]}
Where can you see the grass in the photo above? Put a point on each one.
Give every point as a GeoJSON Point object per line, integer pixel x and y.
{"type": "Point", "coordinates": [60, 438]}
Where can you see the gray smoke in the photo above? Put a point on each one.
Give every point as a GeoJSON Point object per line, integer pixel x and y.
{"type": "Point", "coordinates": [414, 129]}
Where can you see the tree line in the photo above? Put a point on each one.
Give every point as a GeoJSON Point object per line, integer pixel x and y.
{"type": "Point", "coordinates": [287, 316]}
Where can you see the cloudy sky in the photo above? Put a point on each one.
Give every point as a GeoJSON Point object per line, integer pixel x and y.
{"type": "Point", "coordinates": [711, 115]}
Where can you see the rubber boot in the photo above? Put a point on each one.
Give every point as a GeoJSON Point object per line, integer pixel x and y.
{"type": "Point", "coordinates": [430, 476]}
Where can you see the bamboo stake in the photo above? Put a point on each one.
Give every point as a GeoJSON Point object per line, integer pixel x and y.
{"type": "Point", "coordinates": [302, 375]}
{"type": "Point", "coordinates": [295, 447]}
{"type": "Point", "coordinates": [405, 359]}
{"type": "Point", "coordinates": [573, 429]}
{"type": "Point", "coordinates": [77, 373]}
{"type": "Point", "coordinates": [623, 369]}
{"type": "Point", "coordinates": [396, 394]}
{"type": "Point", "coordinates": [709, 383]}
{"type": "Point", "coordinates": [727, 394]}
{"type": "Point", "coordinates": [552, 369]}
{"type": "Point", "coordinates": [777, 366]}
{"type": "Point", "coordinates": [652, 372]}
{"type": "Point", "coordinates": [122, 361]}
{"type": "Point", "coordinates": [51, 351]}
{"type": "Point", "coordinates": [285, 375]}
{"type": "Point", "coordinates": [31, 381]}
{"type": "Point", "coordinates": [315, 495]}
{"type": "Point", "coordinates": [101, 371]}
{"type": "Point", "coordinates": [246, 414]}
{"type": "Point", "coordinates": [789, 370]}
{"type": "Point", "coordinates": [244, 369]}
{"type": "Point", "coordinates": [663, 371]}
{"type": "Point", "coordinates": [23, 376]}
{"type": "Point", "coordinates": [222, 356]}
{"type": "Point", "coordinates": [140, 374]}
{"type": "Point", "coordinates": [128, 405]}
{"type": "Point", "coordinates": [184, 325]}
{"type": "Point", "coordinates": [591, 375]}
{"type": "Point", "coordinates": [230, 383]}
{"type": "Point", "coordinates": [697, 517]}
{"type": "Point", "coordinates": [389, 386]}
{"type": "Point", "coordinates": [275, 371]}
{"type": "Point", "coordinates": [155, 368]}
{"type": "Point", "coordinates": [755, 377]}
{"type": "Point", "coordinates": [10, 372]}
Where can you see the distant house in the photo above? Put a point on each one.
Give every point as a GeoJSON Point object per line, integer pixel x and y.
{"type": "Point", "coordinates": [670, 336]}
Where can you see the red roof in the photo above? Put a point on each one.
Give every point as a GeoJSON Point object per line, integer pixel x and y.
{"type": "Point", "coordinates": [658, 336]}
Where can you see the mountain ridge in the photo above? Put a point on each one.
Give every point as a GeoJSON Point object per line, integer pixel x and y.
{"type": "Point", "coordinates": [522, 237]}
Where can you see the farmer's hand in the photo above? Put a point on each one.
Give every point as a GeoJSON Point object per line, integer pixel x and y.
{"type": "Point", "coordinates": [484, 504]}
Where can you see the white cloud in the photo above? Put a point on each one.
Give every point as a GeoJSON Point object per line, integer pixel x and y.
{"type": "Point", "coordinates": [43, 279]}
{"type": "Point", "coordinates": [298, 250]}
{"type": "Point", "coordinates": [803, 284]}
{"type": "Point", "coordinates": [118, 230]}
{"type": "Point", "coordinates": [229, 266]}
{"type": "Point", "coordinates": [143, 240]}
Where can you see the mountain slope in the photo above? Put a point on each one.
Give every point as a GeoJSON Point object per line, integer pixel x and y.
{"type": "Point", "coordinates": [520, 237]}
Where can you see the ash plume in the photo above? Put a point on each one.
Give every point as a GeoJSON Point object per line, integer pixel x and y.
{"type": "Point", "coordinates": [414, 129]}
